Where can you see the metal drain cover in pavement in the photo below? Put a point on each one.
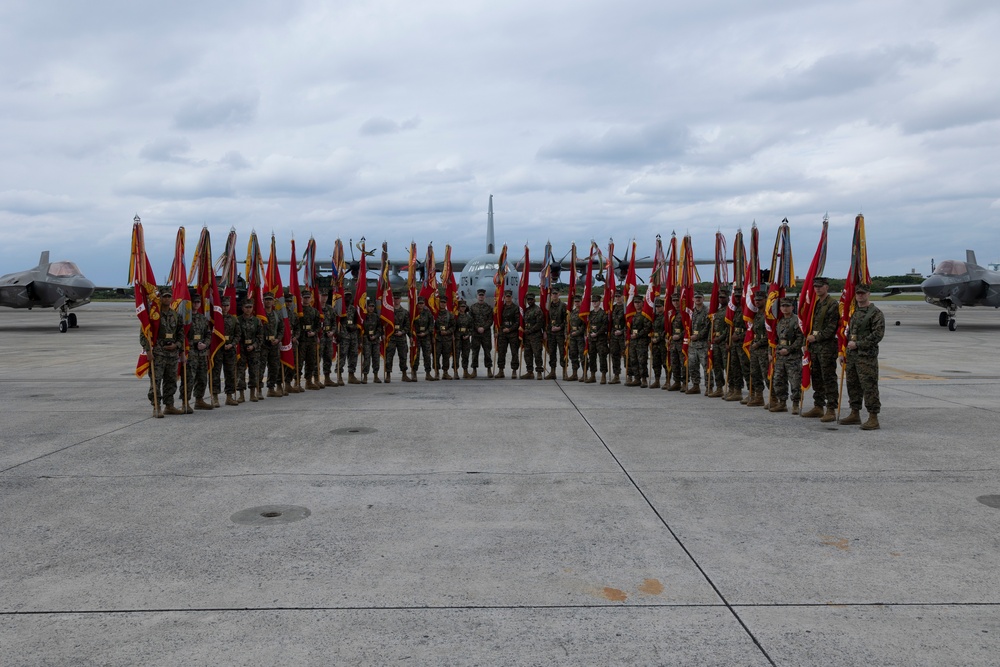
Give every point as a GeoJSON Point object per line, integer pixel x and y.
{"type": "Point", "coordinates": [266, 515]}
{"type": "Point", "coordinates": [990, 501]}
{"type": "Point", "coordinates": [353, 430]}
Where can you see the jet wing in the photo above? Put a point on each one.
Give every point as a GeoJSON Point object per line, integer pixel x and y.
{"type": "Point", "coordinates": [893, 290]}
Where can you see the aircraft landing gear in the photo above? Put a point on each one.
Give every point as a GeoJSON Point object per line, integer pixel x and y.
{"type": "Point", "coordinates": [943, 318]}
{"type": "Point", "coordinates": [67, 320]}
{"type": "Point", "coordinates": [62, 326]}
{"type": "Point", "coordinates": [72, 321]}
{"type": "Point", "coordinates": [952, 325]}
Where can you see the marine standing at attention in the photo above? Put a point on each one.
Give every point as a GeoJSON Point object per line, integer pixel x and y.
{"type": "Point", "coordinates": [163, 357]}
{"type": "Point", "coordinates": [867, 328]}
{"type": "Point", "coordinates": [482, 333]}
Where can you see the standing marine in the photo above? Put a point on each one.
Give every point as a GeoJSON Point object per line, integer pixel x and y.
{"type": "Point", "coordinates": [787, 360]}
{"type": "Point", "coordinates": [482, 333]}
{"type": "Point", "coordinates": [658, 345]}
{"type": "Point", "coordinates": [251, 338]}
{"type": "Point", "coordinates": [597, 335]}
{"type": "Point", "coordinates": [507, 337]}
{"type": "Point", "coordinates": [464, 328]}
{"type": "Point", "coordinates": [163, 357]}
{"type": "Point", "coordinates": [760, 352]}
{"type": "Point", "coordinates": [697, 359]}
{"type": "Point", "coordinates": [225, 358]}
{"type": "Point", "coordinates": [577, 335]}
{"type": "Point", "coordinates": [866, 330]}
{"type": "Point", "coordinates": [617, 341]}
{"type": "Point", "coordinates": [822, 343]}
{"type": "Point", "coordinates": [675, 345]}
{"type": "Point", "coordinates": [396, 345]}
{"type": "Point", "coordinates": [371, 344]}
{"type": "Point", "coordinates": [199, 343]}
{"type": "Point", "coordinates": [720, 346]}
{"type": "Point", "coordinates": [556, 335]}
{"type": "Point", "coordinates": [638, 347]}
{"type": "Point", "coordinates": [310, 330]}
{"type": "Point", "coordinates": [444, 332]}
{"type": "Point", "coordinates": [347, 342]}
{"type": "Point", "coordinates": [534, 326]}
{"type": "Point", "coordinates": [423, 328]}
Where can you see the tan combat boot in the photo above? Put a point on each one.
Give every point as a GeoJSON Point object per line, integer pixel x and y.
{"type": "Point", "coordinates": [328, 381]}
{"type": "Point", "coordinates": [591, 378]}
{"type": "Point", "coordinates": [388, 377]}
{"type": "Point", "coordinates": [288, 388]}
{"type": "Point", "coordinates": [552, 374]}
{"type": "Point", "coordinates": [778, 406]}
{"type": "Point", "coordinates": [852, 419]}
{"type": "Point", "coordinates": [489, 373]}
{"type": "Point", "coordinates": [513, 374]}
{"type": "Point", "coordinates": [655, 384]}
{"type": "Point", "coordinates": [527, 375]}
{"type": "Point", "coordinates": [447, 375]}
{"type": "Point", "coordinates": [872, 423]}
{"type": "Point", "coordinates": [616, 380]}
{"type": "Point", "coordinates": [272, 393]}
{"type": "Point", "coordinates": [539, 376]}
{"type": "Point", "coordinates": [353, 379]}
{"type": "Point", "coordinates": [813, 412]}
{"type": "Point", "coordinates": [428, 376]}
{"type": "Point", "coordinates": [829, 416]}
{"type": "Point", "coordinates": [694, 389]}
{"type": "Point", "coordinates": [795, 407]}
{"type": "Point", "coordinates": [253, 395]}
{"type": "Point", "coordinates": [466, 375]}
{"type": "Point", "coordinates": [200, 404]}
{"type": "Point", "coordinates": [771, 402]}
{"type": "Point", "coordinates": [642, 383]}
{"type": "Point", "coordinates": [171, 410]}
{"type": "Point", "coordinates": [565, 376]}
{"type": "Point", "coordinates": [674, 386]}
{"type": "Point", "coordinates": [735, 395]}
{"type": "Point", "coordinates": [574, 377]}
{"type": "Point", "coordinates": [474, 373]}
{"type": "Point", "coordinates": [231, 400]}
{"type": "Point", "coordinates": [242, 398]}
{"type": "Point", "coordinates": [604, 378]}
{"type": "Point", "coordinates": [364, 378]}
{"type": "Point", "coordinates": [756, 400]}
{"type": "Point", "coordinates": [376, 379]}
{"type": "Point", "coordinates": [215, 401]}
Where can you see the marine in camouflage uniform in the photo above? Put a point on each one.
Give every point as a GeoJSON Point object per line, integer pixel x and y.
{"type": "Point", "coordinates": [597, 332]}
{"type": "Point", "coordinates": [577, 335]}
{"type": "Point", "coordinates": [199, 342]}
{"type": "Point", "coordinates": [396, 345]}
{"type": "Point", "coordinates": [638, 347]}
{"type": "Point", "coordinates": [739, 365]}
{"type": "Point", "coordinates": [423, 327]}
{"type": "Point", "coordinates": [507, 337]}
{"type": "Point", "coordinates": [251, 338]}
{"type": "Point", "coordinates": [163, 357]}
{"type": "Point", "coordinates": [534, 325]}
{"type": "Point", "coordinates": [822, 343]}
{"type": "Point", "coordinates": [720, 346]}
{"type": "Point", "coordinates": [867, 328]}
{"type": "Point", "coordinates": [698, 344]}
{"type": "Point", "coordinates": [310, 330]}
{"type": "Point", "coordinates": [556, 335]}
{"type": "Point", "coordinates": [326, 339]}
{"type": "Point", "coordinates": [760, 352]}
{"type": "Point", "coordinates": [371, 342]}
{"type": "Point", "coordinates": [787, 360]}
{"type": "Point", "coordinates": [225, 358]}
{"type": "Point", "coordinates": [482, 333]}
{"type": "Point", "coordinates": [464, 327]}
{"type": "Point", "coordinates": [444, 340]}
{"type": "Point", "coordinates": [675, 345]}
{"type": "Point", "coordinates": [657, 346]}
{"type": "Point", "coordinates": [616, 342]}
{"type": "Point", "coordinates": [347, 342]}
{"type": "Point", "coordinates": [273, 329]}
{"type": "Point", "coordinates": [292, 384]}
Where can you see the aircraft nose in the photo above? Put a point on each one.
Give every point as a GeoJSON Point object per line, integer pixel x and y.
{"type": "Point", "coordinates": [937, 286]}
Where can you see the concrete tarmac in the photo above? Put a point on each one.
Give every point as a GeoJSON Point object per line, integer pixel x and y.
{"type": "Point", "coordinates": [484, 522]}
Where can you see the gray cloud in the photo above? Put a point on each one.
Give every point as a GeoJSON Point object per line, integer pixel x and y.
{"type": "Point", "coordinates": [845, 72]}
{"type": "Point", "coordinates": [166, 149]}
{"type": "Point", "coordinates": [230, 110]}
{"type": "Point", "coordinates": [620, 145]}
{"type": "Point", "coordinates": [379, 125]}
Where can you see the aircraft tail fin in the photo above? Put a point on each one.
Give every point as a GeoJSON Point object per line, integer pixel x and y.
{"type": "Point", "coordinates": [970, 257]}
{"type": "Point", "coordinates": [489, 229]}
{"type": "Point", "coordinates": [44, 259]}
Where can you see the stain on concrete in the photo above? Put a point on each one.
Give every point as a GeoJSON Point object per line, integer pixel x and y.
{"type": "Point", "coordinates": [841, 543]}
{"type": "Point", "coordinates": [651, 587]}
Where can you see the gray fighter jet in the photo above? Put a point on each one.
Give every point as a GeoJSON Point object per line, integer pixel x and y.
{"type": "Point", "coordinates": [58, 285]}
{"type": "Point", "coordinates": [954, 284]}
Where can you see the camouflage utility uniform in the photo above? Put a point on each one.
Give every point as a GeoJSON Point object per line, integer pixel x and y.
{"type": "Point", "coordinates": [867, 329]}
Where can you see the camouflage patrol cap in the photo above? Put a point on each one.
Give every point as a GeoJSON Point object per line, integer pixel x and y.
{"type": "Point", "coordinates": [288, 297]}
{"type": "Point", "coordinates": [371, 305]}
{"type": "Point", "coordinates": [462, 303]}
{"type": "Point", "coordinates": [397, 294]}
{"type": "Point", "coordinates": [658, 302]}
{"type": "Point", "coordinates": [699, 295]}
{"type": "Point", "coordinates": [268, 297]}
{"type": "Point", "coordinates": [821, 280]}
{"type": "Point", "coordinates": [638, 298]}
{"type": "Point", "coordinates": [481, 291]}
{"type": "Point", "coordinates": [348, 297]}
{"type": "Point", "coordinates": [165, 291]}
{"type": "Point", "coordinates": [787, 302]}
{"type": "Point", "coordinates": [306, 295]}
{"type": "Point", "coordinates": [760, 294]}
{"type": "Point", "coordinates": [226, 298]}
{"type": "Point", "coordinates": [863, 289]}
{"type": "Point", "coordinates": [508, 292]}
{"type": "Point", "coordinates": [530, 297]}
{"type": "Point", "coordinates": [421, 299]}
{"type": "Point", "coordinates": [595, 297]}
{"type": "Point", "coordinates": [675, 297]}
{"type": "Point", "coordinates": [247, 302]}
{"type": "Point", "coordinates": [195, 297]}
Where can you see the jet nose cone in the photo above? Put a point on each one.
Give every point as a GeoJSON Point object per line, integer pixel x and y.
{"type": "Point", "coordinates": [937, 286]}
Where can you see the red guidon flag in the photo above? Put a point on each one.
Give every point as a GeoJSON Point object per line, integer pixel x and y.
{"type": "Point", "coordinates": [857, 275]}
{"type": "Point", "coordinates": [807, 302]}
{"type": "Point", "coordinates": [387, 309]}
{"type": "Point", "coordinates": [272, 285]}
{"type": "Point", "coordinates": [147, 301]}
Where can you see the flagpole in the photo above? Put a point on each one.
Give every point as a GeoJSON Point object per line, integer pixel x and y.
{"type": "Point", "coordinates": [152, 378]}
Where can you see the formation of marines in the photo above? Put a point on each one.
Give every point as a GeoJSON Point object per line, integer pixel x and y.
{"type": "Point", "coordinates": [654, 354]}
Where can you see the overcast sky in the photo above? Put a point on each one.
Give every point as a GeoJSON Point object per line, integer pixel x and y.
{"type": "Point", "coordinates": [396, 120]}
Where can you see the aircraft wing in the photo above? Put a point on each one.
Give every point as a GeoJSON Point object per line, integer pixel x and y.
{"type": "Point", "coordinates": [893, 290]}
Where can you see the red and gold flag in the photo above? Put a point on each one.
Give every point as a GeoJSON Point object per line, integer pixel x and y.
{"type": "Point", "coordinates": [254, 269]}
{"type": "Point", "coordinates": [857, 275]}
{"type": "Point", "coordinates": [522, 292]}
{"type": "Point", "coordinates": [751, 283]}
{"type": "Point", "coordinates": [807, 301]}
{"type": "Point", "coordinates": [720, 278]}
{"type": "Point", "coordinates": [387, 304]}
{"type": "Point", "coordinates": [450, 284]}
{"type": "Point", "coordinates": [687, 279]}
{"type": "Point", "coordinates": [430, 287]}
{"type": "Point", "coordinates": [147, 300]}
{"type": "Point", "coordinates": [203, 277]}
{"type": "Point", "coordinates": [273, 286]}
{"type": "Point", "coordinates": [226, 267]}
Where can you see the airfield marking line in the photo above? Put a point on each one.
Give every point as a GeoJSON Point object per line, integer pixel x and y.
{"type": "Point", "coordinates": [62, 449]}
{"type": "Point", "coordinates": [938, 398]}
{"type": "Point", "coordinates": [512, 607]}
{"type": "Point", "coordinates": [666, 525]}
